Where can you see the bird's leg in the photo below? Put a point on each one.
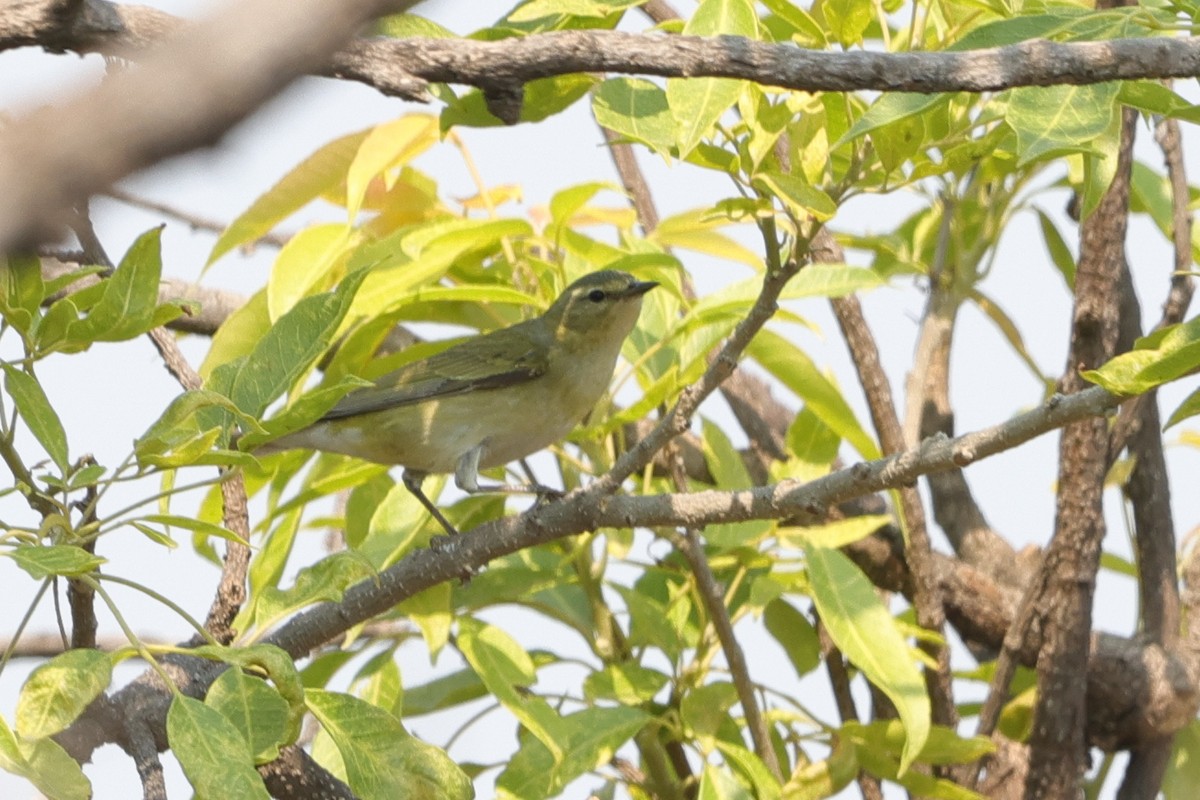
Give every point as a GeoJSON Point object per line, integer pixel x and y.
{"type": "Point", "coordinates": [412, 481]}
{"type": "Point", "coordinates": [466, 477]}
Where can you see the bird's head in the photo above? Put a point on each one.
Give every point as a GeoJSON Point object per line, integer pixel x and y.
{"type": "Point", "coordinates": [600, 306]}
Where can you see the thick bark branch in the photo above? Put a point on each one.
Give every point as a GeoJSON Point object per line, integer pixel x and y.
{"type": "Point", "coordinates": [403, 67]}
{"type": "Point", "coordinates": [1066, 583]}
{"type": "Point", "coordinates": [185, 93]}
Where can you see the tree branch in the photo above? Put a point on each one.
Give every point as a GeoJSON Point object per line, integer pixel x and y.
{"type": "Point", "coordinates": [1163, 695]}
{"type": "Point", "coordinates": [1066, 583]}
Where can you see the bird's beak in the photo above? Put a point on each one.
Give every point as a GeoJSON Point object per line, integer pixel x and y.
{"type": "Point", "coordinates": [639, 288]}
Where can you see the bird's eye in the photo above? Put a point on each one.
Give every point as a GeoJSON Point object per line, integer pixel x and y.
{"type": "Point", "coordinates": [596, 295]}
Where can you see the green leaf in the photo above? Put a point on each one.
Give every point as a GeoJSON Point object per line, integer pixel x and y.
{"type": "Point", "coordinates": [507, 671]}
{"type": "Point", "coordinates": [387, 147]}
{"type": "Point", "coordinates": [189, 428]}
{"type": "Point", "coordinates": [815, 280]}
{"type": "Point", "coordinates": [1057, 120]}
{"type": "Point", "coordinates": [944, 746]}
{"type": "Point", "coordinates": [255, 709]}
{"type": "Point", "coordinates": [1019, 29]}
{"type": "Point", "coordinates": [698, 103]}
{"type": "Point", "coordinates": [848, 19]}
{"type": "Point", "coordinates": [590, 739]}
{"type": "Point", "coordinates": [650, 623]}
{"type": "Point", "coordinates": [705, 710]}
{"type": "Point", "coordinates": [1056, 245]}
{"type": "Point", "coordinates": [729, 472]}
{"type": "Point", "coordinates": [401, 265]}
{"type": "Point", "coordinates": [214, 755]}
{"type": "Point", "coordinates": [898, 142]}
{"type": "Point", "coordinates": [305, 263]}
{"type": "Point", "coordinates": [35, 409]}
{"type": "Point", "coordinates": [238, 334]}
{"type": "Point", "coordinates": [1009, 329]}
{"type": "Point", "coordinates": [795, 634]}
{"type": "Point", "coordinates": [45, 764]}
{"type": "Point", "coordinates": [718, 783]}
{"type": "Point", "coordinates": [1099, 163]}
{"type": "Point", "coordinates": [800, 198]}
{"type": "Point", "coordinates": [306, 409]}
{"type": "Point", "coordinates": [890, 108]}
{"type": "Point", "coordinates": [1152, 97]}
{"type": "Point", "coordinates": [382, 760]}
{"type": "Point", "coordinates": [918, 783]}
{"type": "Point", "coordinates": [128, 306]}
{"type": "Point", "coordinates": [819, 779]}
{"type": "Point", "coordinates": [813, 444]}
{"type": "Point", "coordinates": [445, 692]}
{"type": "Point", "coordinates": [21, 291]}
{"type": "Point", "coordinates": [797, 371]}
{"type": "Point", "coordinates": [803, 27]}
{"type": "Point", "coordinates": [57, 692]}
{"type": "Point", "coordinates": [866, 633]}
{"type": "Point", "coordinates": [637, 110]}
{"type": "Point", "coordinates": [752, 769]}
{"type": "Point", "coordinates": [838, 533]}
{"type": "Point", "coordinates": [536, 9]}
{"type": "Point", "coordinates": [1190, 407]}
{"type": "Point", "coordinates": [42, 561]}
{"type": "Point", "coordinates": [321, 172]}
{"type": "Point", "coordinates": [1163, 356]}
{"type": "Point", "coordinates": [697, 230]}
{"type": "Point", "coordinates": [431, 611]}
{"type": "Point", "coordinates": [379, 683]}
{"type": "Point", "coordinates": [287, 350]}
{"type": "Point", "coordinates": [629, 684]}
{"type": "Point", "coordinates": [568, 202]}
{"type": "Point", "coordinates": [1183, 771]}
{"type": "Point", "coordinates": [195, 526]}
{"type": "Point", "coordinates": [405, 26]}
{"type": "Point", "coordinates": [324, 581]}
{"type": "Point", "coordinates": [544, 98]}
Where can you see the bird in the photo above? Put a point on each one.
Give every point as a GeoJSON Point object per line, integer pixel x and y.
{"type": "Point", "coordinates": [490, 400]}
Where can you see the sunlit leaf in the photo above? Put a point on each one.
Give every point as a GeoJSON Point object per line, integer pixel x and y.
{"type": "Point", "coordinates": [382, 761]}
{"type": "Point", "coordinates": [636, 109]}
{"type": "Point", "coordinates": [308, 180]}
{"type": "Point", "coordinates": [1055, 120]}
{"type": "Point", "coordinates": [866, 633]}
{"type": "Point", "coordinates": [57, 692]}
{"type": "Point", "coordinates": [698, 103]}
{"type": "Point", "coordinates": [215, 757]}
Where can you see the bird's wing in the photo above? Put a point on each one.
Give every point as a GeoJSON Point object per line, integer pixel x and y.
{"type": "Point", "coordinates": [502, 358]}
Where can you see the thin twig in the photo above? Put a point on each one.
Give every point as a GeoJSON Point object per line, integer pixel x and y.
{"type": "Point", "coordinates": [589, 510]}
{"type": "Point", "coordinates": [927, 600]}
{"type": "Point", "coordinates": [713, 596]}
{"type": "Point", "coordinates": [839, 680]}
{"type": "Point", "coordinates": [679, 417]}
{"type": "Point", "coordinates": [193, 221]}
{"type": "Point", "coordinates": [625, 161]}
{"type": "Point", "coordinates": [80, 595]}
{"type": "Point", "coordinates": [231, 591]}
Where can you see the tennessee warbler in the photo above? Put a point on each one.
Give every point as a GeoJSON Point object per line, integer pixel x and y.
{"type": "Point", "coordinates": [491, 399]}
